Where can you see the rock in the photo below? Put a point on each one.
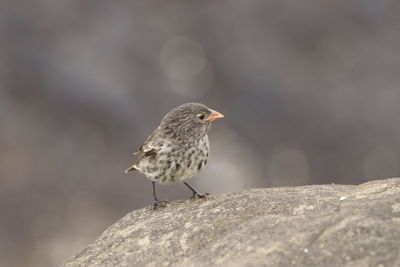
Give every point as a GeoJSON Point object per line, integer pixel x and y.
{"type": "Point", "coordinates": [318, 225]}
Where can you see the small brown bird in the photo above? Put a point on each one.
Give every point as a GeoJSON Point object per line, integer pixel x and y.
{"type": "Point", "coordinates": [178, 149]}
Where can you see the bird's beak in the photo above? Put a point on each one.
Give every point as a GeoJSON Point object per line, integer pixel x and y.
{"type": "Point", "coordinates": [214, 115]}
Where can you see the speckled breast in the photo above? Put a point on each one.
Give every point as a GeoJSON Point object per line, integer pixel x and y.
{"type": "Point", "coordinates": [179, 163]}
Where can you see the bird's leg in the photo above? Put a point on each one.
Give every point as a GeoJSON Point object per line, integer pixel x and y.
{"type": "Point", "coordinates": [157, 203]}
{"type": "Point", "coordinates": [195, 192]}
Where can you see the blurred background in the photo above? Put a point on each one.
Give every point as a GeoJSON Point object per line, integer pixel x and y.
{"type": "Point", "coordinates": [309, 89]}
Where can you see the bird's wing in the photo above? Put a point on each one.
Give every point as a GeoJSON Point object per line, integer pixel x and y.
{"type": "Point", "coordinates": [150, 148]}
{"type": "Point", "coordinates": [148, 153]}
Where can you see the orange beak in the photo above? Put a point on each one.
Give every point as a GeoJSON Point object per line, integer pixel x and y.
{"type": "Point", "coordinates": [214, 115]}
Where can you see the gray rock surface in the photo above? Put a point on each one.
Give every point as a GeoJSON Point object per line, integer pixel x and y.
{"type": "Point", "coordinates": [318, 225]}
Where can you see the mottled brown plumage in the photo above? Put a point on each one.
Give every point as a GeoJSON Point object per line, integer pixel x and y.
{"type": "Point", "coordinates": [178, 149]}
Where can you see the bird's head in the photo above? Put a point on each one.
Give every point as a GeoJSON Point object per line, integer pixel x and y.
{"type": "Point", "coordinates": [189, 121]}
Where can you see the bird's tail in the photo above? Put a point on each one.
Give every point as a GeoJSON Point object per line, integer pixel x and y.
{"type": "Point", "coordinates": [133, 168]}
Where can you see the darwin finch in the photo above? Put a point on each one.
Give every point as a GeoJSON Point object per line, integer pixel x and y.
{"type": "Point", "coordinates": [178, 149]}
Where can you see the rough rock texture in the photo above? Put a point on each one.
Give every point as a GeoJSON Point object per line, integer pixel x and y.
{"type": "Point", "coordinates": [319, 225]}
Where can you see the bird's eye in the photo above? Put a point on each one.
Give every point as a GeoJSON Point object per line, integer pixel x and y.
{"type": "Point", "coordinates": [201, 116]}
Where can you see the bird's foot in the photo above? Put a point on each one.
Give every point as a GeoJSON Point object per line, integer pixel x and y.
{"type": "Point", "coordinates": [159, 204]}
{"type": "Point", "coordinates": [200, 195]}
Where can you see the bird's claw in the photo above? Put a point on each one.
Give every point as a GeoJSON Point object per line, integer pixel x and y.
{"type": "Point", "coordinates": [159, 204]}
{"type": "Point", "coordinates": [200, 195]}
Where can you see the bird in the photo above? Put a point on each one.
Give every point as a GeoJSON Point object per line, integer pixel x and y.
{"type": "Point", "coordinates": [177, 149]}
